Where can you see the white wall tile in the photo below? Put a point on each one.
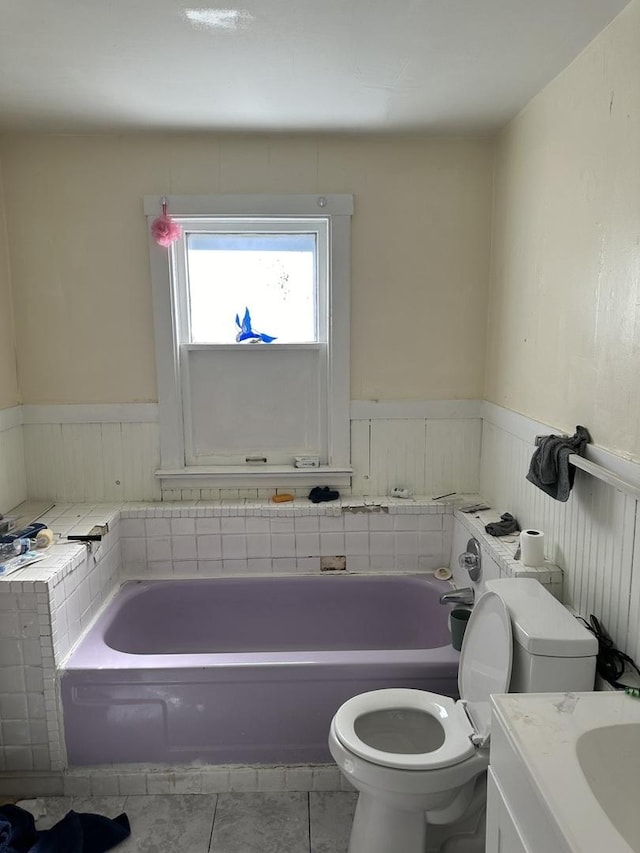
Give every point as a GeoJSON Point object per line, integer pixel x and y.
{"type": "Point", "coordinates": [307, 544]}
{"type": "Point", "coordinates": [209, 547]}
{"type": "Point", "coordinates": [284, 564]}
{"type": "Point", "coordinates": [234, 567]}
{"type": "Point", "coordinates": [134, 551]}
{"type": "Point", "coordinates": [258, 545]}
{"type": "Point", "coordinates": [259, 565]}
{"type": "Point", "coordinates": [283, 545]}
{"type": "Point", "coordinates": [305, 523]}
{"type": "Point", "coordinates": [234, 547]}
{"type": "Point", "coordinates": [356, 544]}
{"type": "Point", "coordinates": [183, 527]}
{"type": "Point", "coordinates": [158, 526]}
{"type": "Point", "coordinates": [184, 547]}
{"type": "Point", "coordinates": [331, 544]}
{"type": "Point", "coordinates": [209, 525]}
{"type": "Point", "coordinates": [257, 525]}
{"type": "Point", "coordinates": [233, 524]}
{"type": "Point", "coordinates": [380, 522]}
{"type": "Point", "coordinates": [158, 548]}
{"type": "Point", "coordinates": [381, 544]}
{"type": "Point", "coordinates": [281, 526]}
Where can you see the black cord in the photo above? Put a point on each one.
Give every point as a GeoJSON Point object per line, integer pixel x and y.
{"type": "Point", "coordinates": [610, 663]}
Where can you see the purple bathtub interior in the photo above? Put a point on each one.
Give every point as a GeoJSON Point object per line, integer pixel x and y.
{"type": "Point", "coordinates": [247, 670]}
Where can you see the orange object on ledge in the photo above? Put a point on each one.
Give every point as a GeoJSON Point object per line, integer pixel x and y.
{"type": "Point", "coordinates": [278, 499]}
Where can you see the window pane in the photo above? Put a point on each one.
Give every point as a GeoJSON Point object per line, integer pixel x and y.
{"type": "Point", "coordinates": [273, 275]}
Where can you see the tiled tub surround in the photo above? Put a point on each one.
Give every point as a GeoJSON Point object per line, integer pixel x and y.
{"type": "Point", "coordinates": [60, 596]}
{"type": "Point", "coordinates": [44, 609]}
{"type": "Point", "coordinates": [248, 537]}
{"type": "Point", "coordinates": [497, 555]}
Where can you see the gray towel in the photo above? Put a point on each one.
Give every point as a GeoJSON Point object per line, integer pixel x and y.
{"type": "Point", "coordinates": [550, 469]}
{"type": "Point", "coordinates": [505, 527]}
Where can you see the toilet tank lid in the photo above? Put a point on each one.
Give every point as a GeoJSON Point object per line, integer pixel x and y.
{"type": "Point", "coordinates": [541, 624]}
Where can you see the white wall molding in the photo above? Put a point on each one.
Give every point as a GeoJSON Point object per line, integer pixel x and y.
{"type": "Point", "coordinates": [10, 418]}
{"type": "Point", "coordinates": [92, 413]}
{"type": "Point", "coordinates": [364, 410]}
{"type": "Point", "coordinates": [520, 426]}
{"type": "Point", "coordinates": [526, 429]}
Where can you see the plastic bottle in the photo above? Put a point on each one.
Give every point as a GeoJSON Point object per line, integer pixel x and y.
{"type": "Point", "coordinates": [13, 549]}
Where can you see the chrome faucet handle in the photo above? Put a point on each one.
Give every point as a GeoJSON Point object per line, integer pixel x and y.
{"type": "Point", "coordinates": [471, 560]}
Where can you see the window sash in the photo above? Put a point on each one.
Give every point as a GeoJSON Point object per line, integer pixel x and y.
{"type": "Point", "coordinates": [318, 226]}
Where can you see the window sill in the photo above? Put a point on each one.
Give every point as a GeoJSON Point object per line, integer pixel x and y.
{"type": "Point", "coordinates": [262, 476]}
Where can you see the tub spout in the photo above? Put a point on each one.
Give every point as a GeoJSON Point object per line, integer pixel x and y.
{"type": "Point", "coordinates": [466, 595]}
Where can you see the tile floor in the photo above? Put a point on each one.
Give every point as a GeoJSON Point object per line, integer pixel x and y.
{"type": "Point", "coordinates": [289, 822]}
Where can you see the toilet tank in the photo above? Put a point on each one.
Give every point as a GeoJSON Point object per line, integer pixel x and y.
{"type": "Point", "coordinates": [552, 650]}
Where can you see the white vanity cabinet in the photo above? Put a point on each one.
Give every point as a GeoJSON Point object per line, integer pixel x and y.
{"type": "Point", "coordinates": [503, 833]}
{"type": "Point", "coordinates": [518, 819]}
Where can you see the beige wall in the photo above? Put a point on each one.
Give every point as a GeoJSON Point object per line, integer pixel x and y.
{"type": "Point", "coordinates": [80, 269]}
{"type": "Point", "coordinates": [8, 379]}
{"type": "Point", "coordinates": [564, 314]}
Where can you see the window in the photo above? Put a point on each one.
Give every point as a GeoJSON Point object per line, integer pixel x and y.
{"type": "Point", "coordinates": [251, 313]}
{"type": "Point", "coordinates": [241, 265]}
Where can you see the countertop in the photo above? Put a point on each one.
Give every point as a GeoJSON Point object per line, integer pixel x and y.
{"type": "Point", "coordinates": [543, 729]}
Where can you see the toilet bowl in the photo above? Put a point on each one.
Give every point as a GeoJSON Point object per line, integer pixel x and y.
{"type": "Point", "coordinates": [409, 754]}
{"type": "Point", "coordinates": [416, 757]}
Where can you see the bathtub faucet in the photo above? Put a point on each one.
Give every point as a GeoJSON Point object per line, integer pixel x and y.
{"type": "Point", "coordinates": [466, 595]}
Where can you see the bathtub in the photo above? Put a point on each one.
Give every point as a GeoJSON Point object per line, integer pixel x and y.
{"type": "Point", "coordinates": [246, 670]}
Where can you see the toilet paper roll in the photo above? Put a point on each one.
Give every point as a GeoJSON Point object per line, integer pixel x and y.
{"type": "Point", "coordinates": [532, 548]}
{"type": "Point", "coordinates": [44, 538]}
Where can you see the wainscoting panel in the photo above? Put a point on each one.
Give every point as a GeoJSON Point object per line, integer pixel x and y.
{"type": "Point", "coordinates": [361, 457]}
{"type": "Point", "coordinates": [397, 454]}
{"type": "Point", "coordinates": [427, 456]}
{"type": "Point", "coordinates": [13, 481]}
{"type": "Point", "coordinates": [110, 453]}
{"type": "Point", "coordinates": [591, 537]}
{"type": "Point", "coordinates": [453, 456]}
{"type": "Point", "coordinates": [92, 461]}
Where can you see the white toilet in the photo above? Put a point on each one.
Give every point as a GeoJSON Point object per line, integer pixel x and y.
{"type": "Point", "coordinates": [409, 752]}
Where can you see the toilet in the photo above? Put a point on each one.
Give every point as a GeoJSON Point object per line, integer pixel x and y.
{"type": "Point", "coordinates": [418, 758]}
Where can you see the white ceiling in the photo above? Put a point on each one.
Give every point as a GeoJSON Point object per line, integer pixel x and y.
{"type": "Point", "coordinates": [284, 65]}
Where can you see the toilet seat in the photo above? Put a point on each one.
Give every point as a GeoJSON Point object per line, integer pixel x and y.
{"type": "Point", "coordinates": [447, 723]}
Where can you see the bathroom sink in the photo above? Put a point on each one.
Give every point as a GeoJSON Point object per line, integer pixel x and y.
{"type": "Point", "coordinates": [609, 757]}
{"type": "Point", "coordinates": [581, 753]}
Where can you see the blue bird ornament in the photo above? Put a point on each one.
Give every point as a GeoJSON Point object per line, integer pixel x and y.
{"type": "Point", "coordinates": [246, 333]}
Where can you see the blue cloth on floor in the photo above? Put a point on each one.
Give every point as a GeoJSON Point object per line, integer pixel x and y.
{"type": "Point", "coordinates": [17, 829]}
{"type": "Point", "coordinates": [75, 833]}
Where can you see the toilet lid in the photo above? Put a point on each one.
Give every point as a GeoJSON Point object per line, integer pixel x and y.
{"type": "Point", "coordinates": [487, 651]}
{"type": "Point", "coordinates": [404, 728]}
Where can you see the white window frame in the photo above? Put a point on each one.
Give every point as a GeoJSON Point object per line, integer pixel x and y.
{"type": "Point", "coordinates": [337, 209]}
